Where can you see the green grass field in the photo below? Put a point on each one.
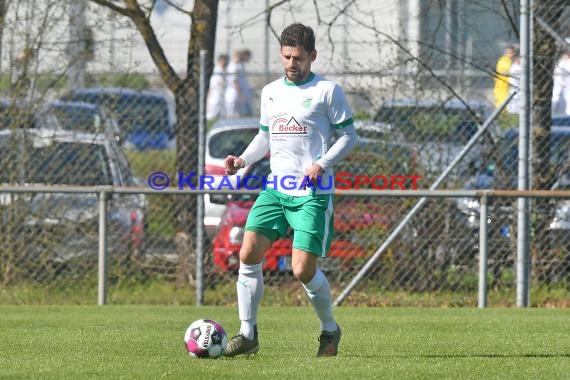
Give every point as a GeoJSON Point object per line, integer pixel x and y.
{"type": "Point", "coordinates": [145, 342]}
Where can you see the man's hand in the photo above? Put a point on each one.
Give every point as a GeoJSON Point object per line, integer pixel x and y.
{"type": "Point", "coordinates": [232, 164]}
{"type": "Point", "coordinates": [313, 173]}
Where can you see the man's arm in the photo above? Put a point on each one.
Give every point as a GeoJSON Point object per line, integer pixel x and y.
{"type": "Point", "coordinates": [254, 152]}
{"type": "Point", "coordinates": [258, 147]}
{"type": "Point", "coordinates": [345, 143]}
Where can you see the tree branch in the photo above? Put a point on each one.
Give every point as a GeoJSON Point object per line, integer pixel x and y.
{"type": "Point", "coordinates": [512, 22]}
{"type": "Point", "coordinates": [423, 64]}
{"type": "Point", "coordinates": [332, 22]}
{"type": "Point", "coordinates": [178, 8]}
{"type": "Point", "coordinates": [267, 12]}
{"type": "Point", "coordinates": [115, 8]}
{"type": "Point", "coordinates": [317, 11]}
{"type": "Point", "coordinates": [142, 22]}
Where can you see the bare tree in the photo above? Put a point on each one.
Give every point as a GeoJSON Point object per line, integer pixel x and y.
{"type": "Point", "coordinates": [29, 24]}
{"type": "Point", "coordinates": [186, 93]}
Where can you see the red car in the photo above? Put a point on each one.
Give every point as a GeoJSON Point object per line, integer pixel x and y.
{"type": "Point", "coordinates": [355, 220]}
{"type": "Point", "coordinates": [227, 242]}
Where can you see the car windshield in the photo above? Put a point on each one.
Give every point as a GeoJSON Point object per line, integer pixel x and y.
{"type": "Point", "coordinates": [77, 118]}
{"type": "Point", "coordinates": [439, 124]}
{"type": "Point", "coordinates": [378, 158]}
{"type": "Point", "coordinates": [564, 181]}
{"type": "Point", "coordinates": [563, 121]}
{"type": "Point", "coordinates": [559, 152]}
{"type": "Point", "coordinates": [231, 141]}
{"type": "Point", "coordinates": [16, 117]}
{"type": "Point", "coordinates": [134, 112]}
{"type": "Point", "coordinates": [52, 163]}
{"type": "Point", "coordinates": [22, 117]}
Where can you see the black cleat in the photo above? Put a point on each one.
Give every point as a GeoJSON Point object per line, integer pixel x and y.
{"type": "Point", "coordinates": [328, 342]}
{"type": "Point", "coordinates": [240, 345]}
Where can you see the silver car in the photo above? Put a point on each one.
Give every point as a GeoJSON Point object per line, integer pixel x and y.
{"type": "Point", "coordinates": [41, 228]}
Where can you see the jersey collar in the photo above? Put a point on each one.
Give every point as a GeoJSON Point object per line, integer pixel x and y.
{"type": "Point", "coordinates": [309, 78]}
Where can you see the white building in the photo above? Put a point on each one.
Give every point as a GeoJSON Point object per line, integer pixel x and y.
{"type": "Point", "coordinates": [371, 44]}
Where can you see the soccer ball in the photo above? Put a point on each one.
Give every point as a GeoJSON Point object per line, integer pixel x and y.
{"type": "Point", "coordinates": [205, 338]}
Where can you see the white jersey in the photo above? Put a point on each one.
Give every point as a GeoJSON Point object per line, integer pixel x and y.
{"type": "Point", "coordinates": [301, 119]}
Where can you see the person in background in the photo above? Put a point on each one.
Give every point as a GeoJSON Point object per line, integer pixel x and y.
{"type": "Point", "coordinates": [501, 89]}
{"type": "Point", "coordinates": [238, 91]}
{"type": "Point", "coordinates": [514, 84]}
{"type": "Point", "coordinates": [561, 86]}
{"type": "Point", "coordinates": [215, 100]}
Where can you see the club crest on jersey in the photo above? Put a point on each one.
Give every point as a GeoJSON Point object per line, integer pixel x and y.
{"type": "Point", "coordinates": [307, 102]}
{"type": "Point", "coordinates": [291, 127]}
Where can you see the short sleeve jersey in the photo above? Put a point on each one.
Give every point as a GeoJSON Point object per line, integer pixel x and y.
{"type": "Point", "coordinates": [301, 119]}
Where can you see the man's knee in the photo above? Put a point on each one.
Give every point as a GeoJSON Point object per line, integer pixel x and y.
{"type": "Point", "coordinates": [304, 265]}
{"type": "Point", "coordinates": [303, 273]}
{"type": "Point", "coordinates": [253, 247]}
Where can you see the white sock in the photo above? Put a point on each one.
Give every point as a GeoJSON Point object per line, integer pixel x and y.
{"type": "Point", "coordinates": [319, 293]}
{"type": "Point", "coordinates": [249, 293]}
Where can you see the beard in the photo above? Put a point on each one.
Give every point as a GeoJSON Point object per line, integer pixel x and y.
{"type": "Point", "coordinates": [295, 76]}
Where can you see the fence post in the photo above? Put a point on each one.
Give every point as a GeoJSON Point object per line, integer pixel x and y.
{"type": "Point", "coordinates": [102, 275]}
{"type": "Point", "coordinates": [200, 204]}
{"type": "Point", "coordinates": [523, 204]}
{"type": "Point", "coordinates": [483, 250]}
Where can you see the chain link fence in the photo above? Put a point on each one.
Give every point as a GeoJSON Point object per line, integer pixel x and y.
{"type": "Point", "coordinates": [419, 91]}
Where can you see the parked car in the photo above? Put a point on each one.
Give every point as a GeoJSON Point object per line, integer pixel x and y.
{"type": "Point", "coordinates": [503, 175]}
{"type": "Point", "coordinates": [86, 117]}
{"type": "Point", "coordinates": [22, 114]}
{"type": "Point", "coordinates": [228, 136]}
{"type": "Point", "coordinates": [355, 218]}
{"type": "Point", "coordinates": [147, 119]}
{"type": "Point", "coordinates": [561, 121]}
{"type": "Point", "coordinates": [438, 130]}
{"type": "Point", "coordinates": [63, 227]}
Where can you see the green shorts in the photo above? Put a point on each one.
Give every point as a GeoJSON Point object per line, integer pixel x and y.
{"type": "Point", "coordinates": [311, 217]}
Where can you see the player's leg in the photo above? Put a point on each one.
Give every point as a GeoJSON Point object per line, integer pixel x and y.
{"type": "Point", "coordinates": [312, 222]}
{"type": "Point", "coordinates": [318, 290]}
{"type": "Point", "coordinates": [316, 285]}
{"type": "Point", "coordinates": [257, 240]}
{"type": "Point", "coordinates": [249, 293]}
{"type": "Point", "coordinates": [250, 280]}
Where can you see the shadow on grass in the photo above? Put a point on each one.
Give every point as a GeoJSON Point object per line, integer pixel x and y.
{"type": "Point", "coordinates": [474, 355]}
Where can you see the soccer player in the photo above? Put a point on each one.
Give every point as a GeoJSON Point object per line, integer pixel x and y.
{"type": "Point", "coordinates": [300, 113]}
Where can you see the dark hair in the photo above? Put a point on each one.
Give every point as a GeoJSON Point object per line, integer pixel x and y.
{"type": "Point", "coordinates": [298, 35]}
